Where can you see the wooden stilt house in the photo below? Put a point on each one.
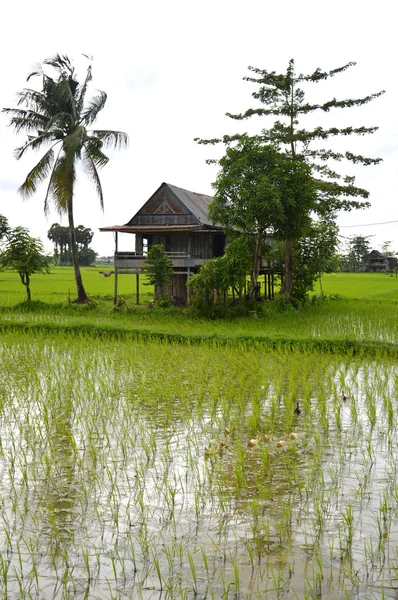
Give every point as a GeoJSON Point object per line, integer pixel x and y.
{"type": "Point", "coordinates": [177, 219]}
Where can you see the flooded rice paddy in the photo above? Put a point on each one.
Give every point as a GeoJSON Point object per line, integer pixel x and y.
{"type": "Point", "coordinates": [142, 470]}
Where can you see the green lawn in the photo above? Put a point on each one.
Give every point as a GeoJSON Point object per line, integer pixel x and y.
{"type": "Point", "coordinates": [59, 284]}
{"type": "Point", "coordinates": [360, 285]}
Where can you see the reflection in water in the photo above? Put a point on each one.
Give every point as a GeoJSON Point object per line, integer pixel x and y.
{"type": "Point", "coordinates": [108, 489]}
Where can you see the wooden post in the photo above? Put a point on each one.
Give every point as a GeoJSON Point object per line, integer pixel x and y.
{"type": "Point", "coordinates": [188, 274]}
{"type": "Point", "coordinates": [137, 288]}
{"type": "Point", "coordinates": [115, 263]}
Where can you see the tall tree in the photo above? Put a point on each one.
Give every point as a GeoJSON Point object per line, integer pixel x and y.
{"type": "Point", "coordinates": [59, 235]}
{"type": "Point", "coordinates": [58, 116]}
{"type": "Point", "coordinates": [285, 103]}
{"type": "Point", "coordinates": [261, 191]}
{"type": "Point", "coordinates": [358, 246]}
{"type": "Point", "coordinates": [24, 254]}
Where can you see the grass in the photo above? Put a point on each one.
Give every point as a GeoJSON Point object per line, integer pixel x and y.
{"type": "Point", "coordinates": [373, 286]}
{"type": "Point", "coordinates": [59, 285]}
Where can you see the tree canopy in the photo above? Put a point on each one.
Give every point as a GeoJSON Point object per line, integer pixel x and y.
{"type": "Point", "coordinates": [259, 190]}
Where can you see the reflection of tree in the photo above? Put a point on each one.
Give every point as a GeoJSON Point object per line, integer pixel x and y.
{"type": "Point", "coordinates": [61, 485]}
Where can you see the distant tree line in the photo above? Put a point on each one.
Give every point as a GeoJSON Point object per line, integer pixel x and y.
{"type": "Point", "coordinates": [63, 255]}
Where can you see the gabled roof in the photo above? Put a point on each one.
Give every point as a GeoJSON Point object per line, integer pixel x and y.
{"type": "Point", "coordinates": [375, 254]}
{"type": "Point", "coordinates": [195, 206]}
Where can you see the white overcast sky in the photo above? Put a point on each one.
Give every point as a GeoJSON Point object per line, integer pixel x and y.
{"type": "Point", "coordinates": [172, 69]}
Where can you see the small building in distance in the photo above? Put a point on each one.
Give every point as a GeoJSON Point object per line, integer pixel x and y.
{"type": "Point", "coordinates": [177, 219]}
{"type": "Point", "coordinates": [374, 262]}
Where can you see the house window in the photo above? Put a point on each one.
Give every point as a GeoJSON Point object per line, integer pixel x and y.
{"type": "Point", "coordinates": [202, 245]}
{"type": "Point", "coordinates": [176, 243]}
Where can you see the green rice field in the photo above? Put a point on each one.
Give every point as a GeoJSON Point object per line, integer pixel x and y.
{"type": "Point", "coordinates": [154, 455]}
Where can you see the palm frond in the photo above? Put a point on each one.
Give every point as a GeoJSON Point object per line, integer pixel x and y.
{"type": "Point", "coordinates": [25, 120]}
{"type": "Point", "coordinates": [41, 102]}
{"type": "Point", "coordinates": [34, 143]}
{"type": "Point", "coordinates": [62, 181]}
{"type": "Point", "coordinates": [93, 148]}
{"type": "Point", "coordinates": [35, 73]}
{"type": "Point", "coordinates": [62, 64]}
{"type": "Point", "coordinates": [37, 174]}
{"type": "Point", "coordinates": [65, 96]}
{"type": "Point", "coordinates": [90, 169]}
{"type": "Point", "coordinates": [74, 142]}
{"type": "Point", "coordinates": [62, 121]}
{"type": "Point", "coordinates": [96, 104]}
{"type": "Point", "coordinates": [82, 92]}
{"type": "Point", "coordinates": [112, 139]}
{"type": "Point", "coordinates": [49, 194]}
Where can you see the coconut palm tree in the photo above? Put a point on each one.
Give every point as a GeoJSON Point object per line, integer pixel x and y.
{"type": "Point", "coordinates": [58, 116]}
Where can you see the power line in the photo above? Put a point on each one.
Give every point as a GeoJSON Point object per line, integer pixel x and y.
{"type": "Point", "coordinates": [368, 224]}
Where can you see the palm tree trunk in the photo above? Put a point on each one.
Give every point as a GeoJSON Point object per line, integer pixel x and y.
{"type": "Point", "coordinates": [82, 297]}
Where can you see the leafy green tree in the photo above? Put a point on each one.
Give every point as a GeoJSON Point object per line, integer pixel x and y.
{"type": "Point", "coordinates": [210, 280]}
{"type": "Point", "coordinates": [24, 254]}
{"type": "Point", "coordinates": [260, 191]}
{"type": "Point", "coordinates": [4, 227]}
{"type": "Point", "coordinates": [284, 102]}
{"type": "Point", "coordinates": [358, 246]}
{"type": "Point", "coordinates": [60, 237]}
{"type": "Point", "coordinates": [58, 116]}
{"type": "Point", "coordinates": [217, 275]}
{"type": "Point", "coordinates": [315, 253]}
{"type": "Point", "coordinates": [84, 236]}
{"type": "Point", "coordinates": [238, 259]}
{"type": "Point", "coordinates": [87, 256]}
{"type": "Point", "coordinates": [62, 252]}
{"type": "Point", "coordinates": [158, 269]}
{"type": "Point", "coordinates": [391, 255]}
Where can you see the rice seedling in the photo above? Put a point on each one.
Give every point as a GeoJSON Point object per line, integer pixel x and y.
{"type": "Point", "coordinates": [106, 485]}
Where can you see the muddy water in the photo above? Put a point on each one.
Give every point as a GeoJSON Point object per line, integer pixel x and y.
{"type": "Point", "coordinates": [122, 478]}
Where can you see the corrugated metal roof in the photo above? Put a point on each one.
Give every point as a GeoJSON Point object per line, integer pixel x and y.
{"type": "Point", "coordinates": [197, 204]}
{"type": "Point", "coordinates": [157, 228]}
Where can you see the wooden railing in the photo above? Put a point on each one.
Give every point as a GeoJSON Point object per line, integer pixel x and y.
{"type": "Point", "coordinates": [132, 255]}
